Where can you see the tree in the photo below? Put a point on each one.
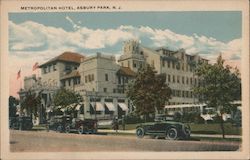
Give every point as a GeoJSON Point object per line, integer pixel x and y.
{"type": "Point", "coordinates": [64, 97]}
{"type": "Point", "coordinates": [219, 87]}
{"type": "Point", "coordinates": [31, 103]}
{"type": "Point", "coordinates": [148, 91]}
{"type": "Point", "coordinates": [13, 102]}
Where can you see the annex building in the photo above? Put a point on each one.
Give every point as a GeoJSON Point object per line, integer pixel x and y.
{"type": "Point", "coordinates": [101, 79]}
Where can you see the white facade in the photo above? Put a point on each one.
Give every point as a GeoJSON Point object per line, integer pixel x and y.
{"type": "Point", "coordinates": [177, 65]}
{"type": "Point", "coordinates": [102, 82]}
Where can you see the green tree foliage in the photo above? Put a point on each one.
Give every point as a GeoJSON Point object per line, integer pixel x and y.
{"type": "Point", "coordinates": [13, 102]}
{"type": "Point", "coordinates": [64, 97]}
{"type": "Point", "coordinates": [31, 103]}
{"type": "Point", "coordinates": [148, 91]}
{"type": "Point", "coordinates": [219, 86]}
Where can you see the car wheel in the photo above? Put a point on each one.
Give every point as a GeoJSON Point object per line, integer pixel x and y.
{"type": "Point", "coordinates": [59, 129]}
{"type": "Point", "coordinates": [172, 134]}
{"type": "Point", "coordinates": [81, 129]}
{"type": "Point", "coordinates": [140, 132]}
{"type": "Point", "coordinates": [67, 129]}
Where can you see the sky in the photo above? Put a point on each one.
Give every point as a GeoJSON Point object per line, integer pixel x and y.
{"type": "Point", "coordinates": [38, 37]}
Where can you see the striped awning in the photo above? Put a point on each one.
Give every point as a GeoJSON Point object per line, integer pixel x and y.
{"type": "Point", "coordinates": [123, 106]}
{"type": "Point", "coordinates": [99, 106]}
{"type": "Point", "coordinates": [110, 106]}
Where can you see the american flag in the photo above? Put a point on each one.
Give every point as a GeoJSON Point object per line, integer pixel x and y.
{"type": "Point", "coordinates": [35, 66]}
{"type": "Point", "coordinates": [18, 74]}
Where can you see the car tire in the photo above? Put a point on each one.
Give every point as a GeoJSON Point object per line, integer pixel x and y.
{"type": "Point", "coordinates": [140, 132]}
{"type": "Point", "coordinates": [172, 134]}
{"type": "Point", "coordinates": [67, 129]}
{"type": "Point", "coordinates": [81, 129]}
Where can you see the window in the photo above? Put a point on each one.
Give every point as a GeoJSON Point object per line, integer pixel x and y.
{"type": "Point", "coordinates": [141, 52]}
{"type": "Point", "coordinates": [163, 63]}
{"type": "Point", "coordinates": [187, 94]}
{"type": "Point", "coordinates": [44, 70]}
{"type": "Point", "coordinates": [173, 78]}
{"type": "Point", "coordinates": [63, 83]}
{"type": "Point", "coordinates": [114, 90]}
{"type": "Point", "coordinates": [173, 65]}
{"type": "Point", "coordinates": [92, 77]}
{"type": "Point", "coordinates": [173, 92]}
{"type": "Point", "coordinates": [187, 81]}
{"type": "Point", "coordinates": [178, 79]}
{"type": "Point", "coordinates": [89, 78]}
{"type": "Point", "coordinates": [86, 79]}
{"type": "Point", "coordinates": [191, 80]}
{"type": "Point", "coordinates": [49, 68]}
{"type": "Point", "coordinates": [119, 79]}
{"type": "Point", "coordinates": [168, 64]}
{"type": "Point", "coordinates": [75, 81]}
{"type": "Point", "coordinates": [182, 66]}
{"type": "Point", "coordinates": [169, 78]}
{"type": "Point", "coordinates": [105, 90]}
{"type": "Point", "coordinates": [183, 94]}
{"type": "Point", "coordinates": [134, 64]}
{"type": "Point", "coordinates": [183, 80]}
{"type": "Point", "coordinates": [106, 77]}
{"type": "Point", "coordinates": [54, 67]}
{"type": "Point", "coordinates": [69, 82]}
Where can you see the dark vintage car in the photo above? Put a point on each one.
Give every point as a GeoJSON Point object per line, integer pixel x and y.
{"type": "Point", "coordinates": [21, 123]}
{"type": "Point", "coordinates": [163, 128]}
{"type": "Point", "coordinates": [68, 124]}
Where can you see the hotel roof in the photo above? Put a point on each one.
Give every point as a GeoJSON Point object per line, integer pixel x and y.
{"type": "Point", "coordinates": [66, 57]}
{"type": "Point", "coordinates": [126, 71]}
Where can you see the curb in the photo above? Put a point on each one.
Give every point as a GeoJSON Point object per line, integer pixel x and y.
{"type": "Point", "coordinates": [192, 135]}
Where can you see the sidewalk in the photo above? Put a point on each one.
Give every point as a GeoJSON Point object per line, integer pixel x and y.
{"type": "Point", "coordinates": [192, 135]}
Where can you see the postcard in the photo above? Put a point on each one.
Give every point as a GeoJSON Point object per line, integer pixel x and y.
{"type": "Point", "coordinates": [125, 79]}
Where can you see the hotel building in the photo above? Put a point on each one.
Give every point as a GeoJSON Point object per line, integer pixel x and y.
{"type": "Point", "coordinates": [102, 82]}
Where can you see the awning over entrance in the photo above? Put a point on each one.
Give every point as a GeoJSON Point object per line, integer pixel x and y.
{"type": "Point", "coordinates": [123, 106]}
{"type": "Point", "coordinates": [99, 106]}
{"type": "Point", "coordinates": [110, 106]}
{"type": "Point", "coordinates": [78, 107]}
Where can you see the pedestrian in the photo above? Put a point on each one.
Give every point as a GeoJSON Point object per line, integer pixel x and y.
{"type": "Point", "coordinates": [115, 124]}
{"type": "Point", "coordinates": [47, 125]}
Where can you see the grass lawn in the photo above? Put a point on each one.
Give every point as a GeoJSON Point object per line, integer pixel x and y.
{"type": "Point", "coordinates": [201, 128]}
{"type": "Point", "coordinates": [215, 129]}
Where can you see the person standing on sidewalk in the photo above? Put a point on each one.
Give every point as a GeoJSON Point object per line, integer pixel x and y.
{"type": "Point", "coordinates": [115, 124]}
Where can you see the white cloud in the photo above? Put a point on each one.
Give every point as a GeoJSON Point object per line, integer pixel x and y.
{"type": "Point", "coordinates": [36, 42]}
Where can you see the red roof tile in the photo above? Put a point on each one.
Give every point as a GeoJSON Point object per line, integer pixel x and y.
{"type": "Point", "coordinates": [67, 57]}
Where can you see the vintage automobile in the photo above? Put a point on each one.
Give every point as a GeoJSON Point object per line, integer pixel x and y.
{"type": "Point", "coordinates": [68, 124]}
{"type": "Point", "coordinates": [163, 128]}
{"type": "Point", "coordinates": [21, 123]}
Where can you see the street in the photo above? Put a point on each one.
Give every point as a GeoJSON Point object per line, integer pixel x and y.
{"type": "Point", "coordinates": [42, 141]}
